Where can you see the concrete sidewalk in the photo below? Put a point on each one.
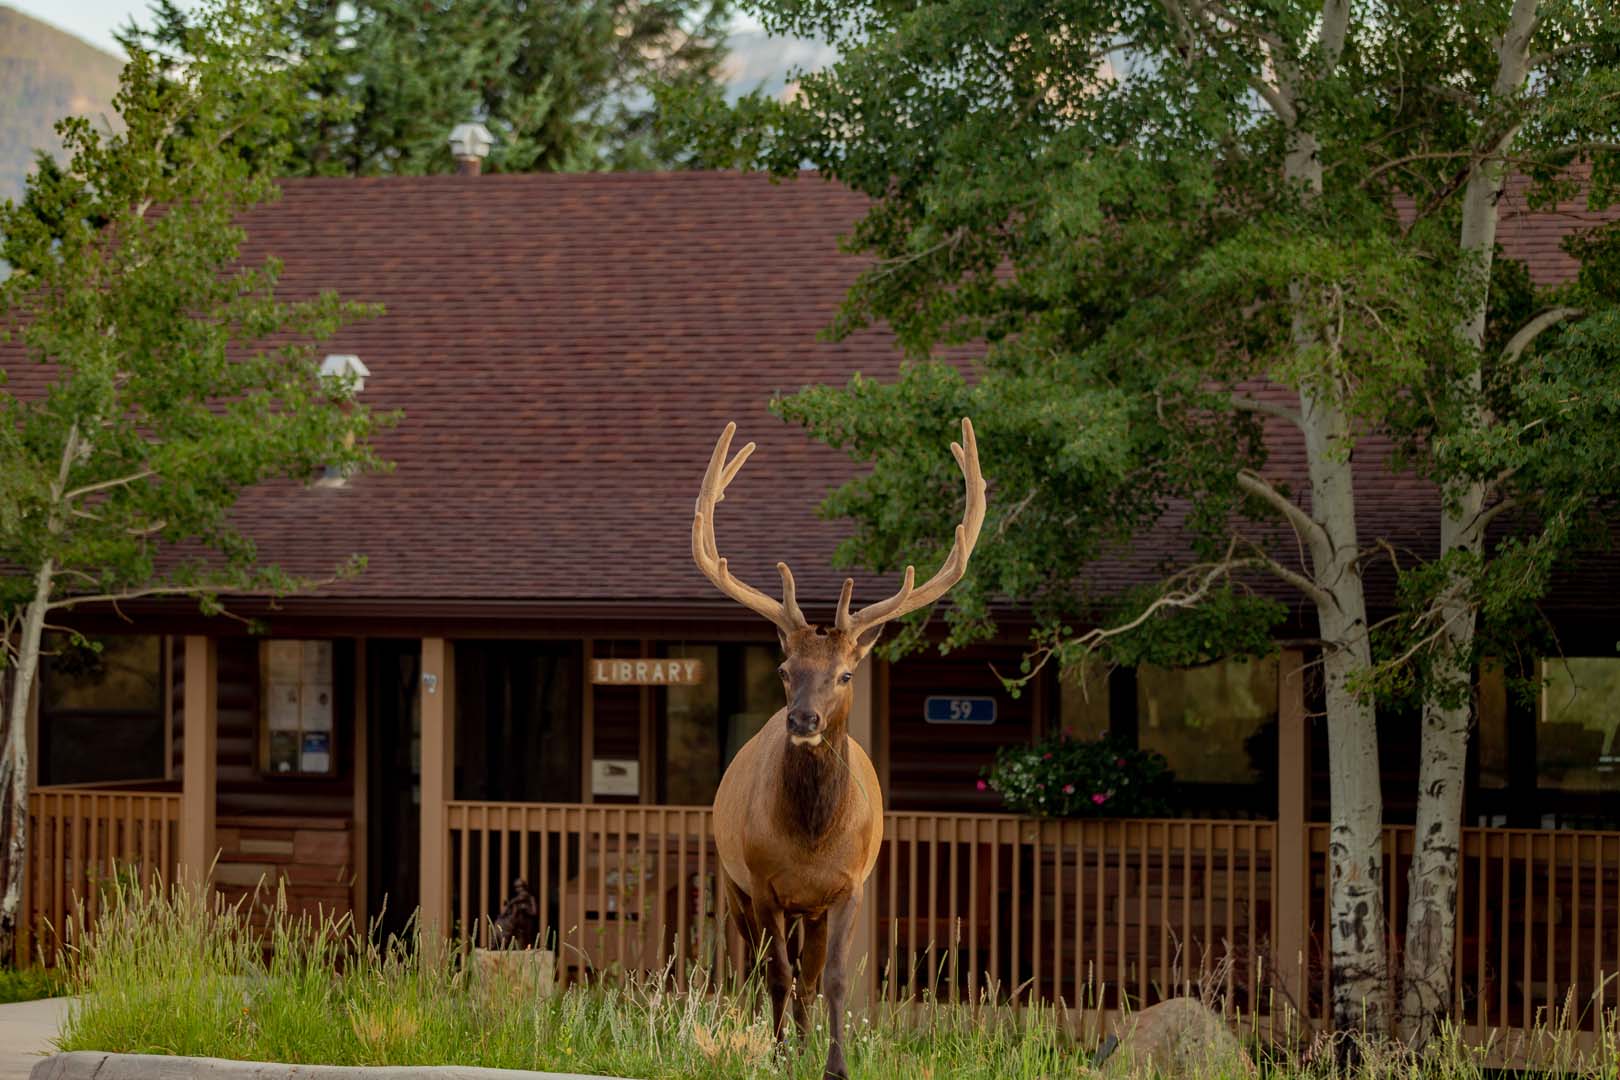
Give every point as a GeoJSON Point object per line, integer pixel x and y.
{"type": "Point", "coordinates": [27, 1032]}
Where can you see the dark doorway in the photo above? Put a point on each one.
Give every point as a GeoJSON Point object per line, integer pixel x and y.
{"type": "Point", "coordinates": [519, 712]}
{"type": "Point", "coordinates": [394, 771]}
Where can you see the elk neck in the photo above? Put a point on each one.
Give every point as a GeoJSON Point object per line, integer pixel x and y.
{"type": "Point", "coordinates": [814, 782]}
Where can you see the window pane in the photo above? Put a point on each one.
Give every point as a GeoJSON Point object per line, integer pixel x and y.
{"type": "Point", "coordinates": [1083, 701]}
{"type": "Point", "coordinates": [101, 712]}
{"type": "Point", "coordinates": [1575, 736]}
{"type": "Point", "coordinates": [1203, 719]}
{"type": "Point", "coordinates": [1493, 726]}
{"type": "Point", "coordinates": [124, 676]}
{"type": "Point", "coordinates": [705, 725]}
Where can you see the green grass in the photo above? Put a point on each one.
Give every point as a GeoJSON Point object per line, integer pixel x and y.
{"type": "Point", "coordinates": [30, 984]}
{"type": "Point", "coordinates": [177, 975]}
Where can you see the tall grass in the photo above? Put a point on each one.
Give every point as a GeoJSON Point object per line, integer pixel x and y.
{"type": "Point", "coordinates": [174, 973]}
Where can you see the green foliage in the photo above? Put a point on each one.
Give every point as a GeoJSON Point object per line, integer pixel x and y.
{"type": "Point", "coordinates": [1095, 196]}
{"type": "Point", "coordinates": [30, 984]}
{"type": "Point", "coordinates": [563, 85]}
{"type": "Point", "coordinates": [163, 375]}
{"type": "Point", "coordinates": [167, 973]}
{"type": "Point", "coordinates": [1062, 777]}
{"type": "Point", "coordinates": [161, 973]}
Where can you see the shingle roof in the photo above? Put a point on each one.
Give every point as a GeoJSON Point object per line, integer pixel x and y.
{"type": "Point", "coordinates": [566, 348]}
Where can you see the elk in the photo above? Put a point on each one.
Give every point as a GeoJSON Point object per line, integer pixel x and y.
{"type": "Point", "coordinates": [798, 817]}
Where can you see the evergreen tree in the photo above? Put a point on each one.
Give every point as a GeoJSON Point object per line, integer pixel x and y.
{"type": "Point", "coordinates": [563, 85]}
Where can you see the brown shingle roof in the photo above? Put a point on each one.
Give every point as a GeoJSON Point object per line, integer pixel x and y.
{"type": "Point", "coordinates": [566, 348]}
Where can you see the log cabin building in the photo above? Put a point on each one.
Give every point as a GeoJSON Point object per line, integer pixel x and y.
{"type": "Point", "coordinates": [531, 679]}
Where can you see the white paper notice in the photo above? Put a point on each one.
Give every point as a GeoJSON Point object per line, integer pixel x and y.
{"type": "Point", "coordinates": [283, 707]}
{"type": "Point", "coordinates": [286, 661]}
{"type": "Point", "coordinates": [317, 663]}
{"type": "Point", "coordinates": [317, 753]}
{"type": "Point", "coordinates": [317, 711]}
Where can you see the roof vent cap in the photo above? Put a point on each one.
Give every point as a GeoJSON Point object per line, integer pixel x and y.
{"type": "Point", "coordinates": [470, 143]}
{"type": "Point", "coordinates": [345, 366]}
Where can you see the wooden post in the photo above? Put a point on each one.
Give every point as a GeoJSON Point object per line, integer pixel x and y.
{"type": "Point", "coordinates": [199, 765]}
{"type": "Point", "coordinates": [863, 953]}
{"type": "Point", "coordinates": [438, 772]}
{"type": "Point", "coordinates": [587, 728]}
{"type": "Point", "coordinates": [1292, 896]}
{"type": "Point", "coordinates": [360, 838]}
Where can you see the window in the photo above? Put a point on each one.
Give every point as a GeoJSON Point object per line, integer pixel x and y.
{"type": "Point", "coordinates": [1576, 722]}
{"type": "Point", "coordinates": [1210, 721]}
{"type": "Point", "coordinates": [519, 720]}
{"type": "Point", "coordinates": [1083, 700]}
{"type": "Point", "coordinates": [101, 710]}
{"type": "Point", "coordinates": [705, 725]}
{"type": "Point", "coordinates": [296, 708]}
{"type": "Point", "coordinates": [1495, 762]}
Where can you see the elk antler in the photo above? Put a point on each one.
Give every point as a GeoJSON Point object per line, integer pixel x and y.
{"type": "Point", "coordinates": [786, 615]}
{"type": "Point", "coordinates": [909, 599]}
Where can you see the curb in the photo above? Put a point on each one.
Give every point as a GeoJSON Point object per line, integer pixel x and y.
{"type": "Point", "coordinates": [96, 1065]}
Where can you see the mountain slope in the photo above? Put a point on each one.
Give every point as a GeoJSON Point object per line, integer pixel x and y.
{"type": "Point", "coordinates": [45, 74]}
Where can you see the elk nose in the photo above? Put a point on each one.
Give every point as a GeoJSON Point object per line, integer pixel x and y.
{"type": "Point", "coordinates": [803, 722]}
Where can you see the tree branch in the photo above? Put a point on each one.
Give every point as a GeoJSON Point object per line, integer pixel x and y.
{"type": "Point", "coordinates": [122, 481]}
{"type": "Point", "coordinates": [1533, 329]}
{"type": "Point", "coordinates": [1305, 527]}
{"type": "Point", "coordinates": [1263, 559]}
{"type": "Point", "coordinates": [1269, 408]}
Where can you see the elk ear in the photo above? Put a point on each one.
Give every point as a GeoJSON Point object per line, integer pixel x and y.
{"type": "Point", "coordinates": [866, 640]}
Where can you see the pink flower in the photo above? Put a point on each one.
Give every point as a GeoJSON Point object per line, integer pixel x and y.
{"type": "Point", "coordinates": [1046, 757]}
{"type": "Point", "coordinates": [1098, 797]}
{"type": "Point", "coordinates": [1120, 762]}
{"type": "Point", "coordinates": [1068, 789]}
{"type": "Point", "coordinates": [982, 785]}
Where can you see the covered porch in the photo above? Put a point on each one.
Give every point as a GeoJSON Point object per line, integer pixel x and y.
{"type": "Point", "coordinates": [966, 906]}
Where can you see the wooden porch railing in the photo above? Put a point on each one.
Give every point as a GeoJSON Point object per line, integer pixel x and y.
{"type": "Point", "coordinates": [1537, 917]}
{"type": "Point", "coordinates": [82, 839]}
{"type": "Point", "coordinates": [1097, 915]}
{"type": "Point", "coordinates": [621, 888]}
{"type": "Point", "coordinates": [1093, 914]}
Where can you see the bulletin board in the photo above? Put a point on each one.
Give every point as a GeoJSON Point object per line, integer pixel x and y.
{"type": "Point", "coordinates": [296, 722]}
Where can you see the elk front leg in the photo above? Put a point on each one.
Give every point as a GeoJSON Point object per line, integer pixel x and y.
{"type": "Point", "coordinates": [840, 936]}
{"type": "Point", "coordinates": [812, 959]}
{"type": "Point", "coordinates": [778, 963]}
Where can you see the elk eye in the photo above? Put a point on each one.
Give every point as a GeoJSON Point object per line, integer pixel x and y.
{"type": "Point", "coordinates": [782, 671]}
{"type": "Point", "coordinates": [846, 676]}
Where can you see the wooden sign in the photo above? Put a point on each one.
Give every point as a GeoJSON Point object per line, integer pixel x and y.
{"type": "Point", "coordinates": [671, 671]}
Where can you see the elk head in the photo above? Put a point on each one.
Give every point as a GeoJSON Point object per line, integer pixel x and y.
{"type": "Point", "coordinates": [819, 670]}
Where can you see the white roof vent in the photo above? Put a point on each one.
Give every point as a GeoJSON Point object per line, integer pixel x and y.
{"type": "Point", "coordinates": [470, 144]}
{"type": "Point", "coordinates": [345, 366]}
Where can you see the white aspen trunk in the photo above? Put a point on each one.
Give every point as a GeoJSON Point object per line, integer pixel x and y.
{"type": "Point", "coordinates": [1361, 984]}
{"type": "Point", "coordinates": [14, 757]}
{"type": "Point", "coordinates": [1356, 930]}
{"type": "Point", "coordinates": [1431, 912]}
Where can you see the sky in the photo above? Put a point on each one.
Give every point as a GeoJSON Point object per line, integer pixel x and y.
{"type": "Point", "coordinates": [92, 20]}
{"type": "Point", "coordinates": [756, 61]}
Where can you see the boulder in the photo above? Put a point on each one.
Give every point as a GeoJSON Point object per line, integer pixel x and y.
{"type": "Point", "coordinates": [1179, 1039]}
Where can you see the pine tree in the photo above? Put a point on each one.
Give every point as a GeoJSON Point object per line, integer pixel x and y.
{"type": "Point", "coordinates": [564, 85]}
